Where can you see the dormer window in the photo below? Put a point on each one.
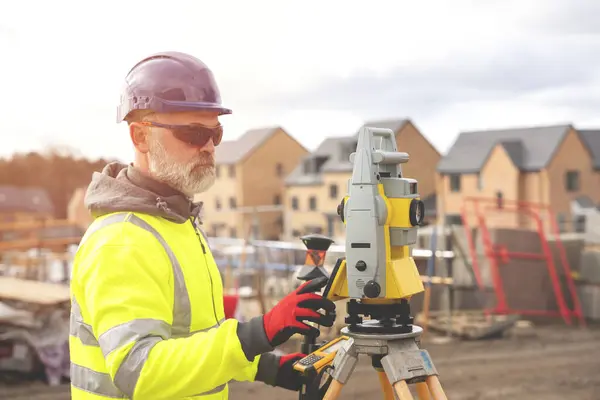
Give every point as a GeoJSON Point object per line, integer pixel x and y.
{"type": "Point", "coordinates": [319, 161]}
{"type": "Point", "coordinates": [309, 166]}
{"type": "Point", "coordinates": [313, 165]}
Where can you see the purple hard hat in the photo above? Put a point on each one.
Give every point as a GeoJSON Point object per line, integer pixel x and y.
{"type": "Point", "coordinates": [170, 82]}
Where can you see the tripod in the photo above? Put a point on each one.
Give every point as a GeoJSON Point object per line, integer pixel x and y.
{"type": "Point", "coordinates": [398, 360]}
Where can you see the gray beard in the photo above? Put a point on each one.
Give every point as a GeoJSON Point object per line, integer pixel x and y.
{"type": "Point", "coordinates": [190, 179]}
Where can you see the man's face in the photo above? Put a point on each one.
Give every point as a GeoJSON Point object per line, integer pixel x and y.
{"type": "Point", "coordinates": [187, 168]}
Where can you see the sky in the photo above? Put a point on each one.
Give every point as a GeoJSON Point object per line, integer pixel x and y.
{"type": "Point", "coordinates": [315, 68]}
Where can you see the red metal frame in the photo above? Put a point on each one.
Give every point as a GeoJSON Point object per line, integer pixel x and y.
{"type": "Point", "coordinates": [496, 253]}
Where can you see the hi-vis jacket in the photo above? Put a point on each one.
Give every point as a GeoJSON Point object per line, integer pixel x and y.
{"type": "Point", "coordinates": [147, 319]}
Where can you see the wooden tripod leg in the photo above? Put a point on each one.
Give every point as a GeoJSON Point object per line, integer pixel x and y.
{"type": "Point", "coordinates": [435, 387]}
{"type": "Point", "coordinates": [402, 390]}
{"type": "Point", "coordinates": [388, 391]}
{"type": "Point", "coordinates": [335, 388]}
{"type": "Point", "coordinates": [423, 391]}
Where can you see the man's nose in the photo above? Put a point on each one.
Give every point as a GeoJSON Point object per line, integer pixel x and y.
{"type": "Point", "coordinates": [209, 147]}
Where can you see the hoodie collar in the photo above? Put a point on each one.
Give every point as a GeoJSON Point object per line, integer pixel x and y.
{"type": "Point", "coordinates": [122, 187]}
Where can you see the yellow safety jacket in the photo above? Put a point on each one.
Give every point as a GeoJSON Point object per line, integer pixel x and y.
{"type": "Point", "coordinates": [147, 319]}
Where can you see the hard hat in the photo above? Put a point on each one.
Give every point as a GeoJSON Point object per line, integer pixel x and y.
{"type": "Point", "coordinates": [170, 82]}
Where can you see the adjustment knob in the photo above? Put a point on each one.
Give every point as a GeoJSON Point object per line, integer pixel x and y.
{"type": "Point", "coordinates": [372, 289]}
{"type": "Point", "coordinates": [361, 265]}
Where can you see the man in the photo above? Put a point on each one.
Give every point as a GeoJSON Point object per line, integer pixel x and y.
{"type": "Point", "coordinates": [147, 317]}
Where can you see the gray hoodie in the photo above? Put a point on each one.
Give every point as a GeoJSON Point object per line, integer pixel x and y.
{"type": "Point", "coordinates": [121, 187]}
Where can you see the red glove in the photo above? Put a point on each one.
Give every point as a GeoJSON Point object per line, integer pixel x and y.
{"type": "Point", "coordinates": [287, 376]}
{"type": "Point", "coordinates": [285, 319]}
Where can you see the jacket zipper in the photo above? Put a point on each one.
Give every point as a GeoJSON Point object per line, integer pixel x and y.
{"type": "Point", "coordinates": [212, 292]}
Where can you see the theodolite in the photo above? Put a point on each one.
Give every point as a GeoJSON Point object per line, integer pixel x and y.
{"type": "Point", "coordinates": [381, 212]}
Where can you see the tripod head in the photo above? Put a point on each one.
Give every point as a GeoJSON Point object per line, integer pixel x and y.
{"type": "Point", "coordinates": [381, 212]}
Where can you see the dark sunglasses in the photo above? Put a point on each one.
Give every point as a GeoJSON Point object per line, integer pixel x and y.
{"type": "Point", "coordinates": [194, 134]}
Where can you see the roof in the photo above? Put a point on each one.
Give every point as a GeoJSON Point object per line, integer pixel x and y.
{"type": "Point", "coordinates": [336, 151]}
{"type": "Point", "coordinates": [330, 150]}
{"type": "Point", "coordinates": [584, 202]}
{"type": "Point", "coordinates": [28, 199]}
{"type": "Point", "coordinates": [591, 138]}
{"type": "Point", "coordinates": [531, 149]}
{"type": "Point", "coordinates": [234, 151]}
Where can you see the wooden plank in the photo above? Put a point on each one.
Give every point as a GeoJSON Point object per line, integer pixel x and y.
{"type": "Point", "coordinates": [26, 244]}
{"type": "Point", "coordinates": [36, 224]}
{"type": "Point", "coordinates": [29, 261]}
{"type": "Point", "coordinates": [29, 291]}
{"type": "Point", "coordinates": [437, 280]}
{"type": "Point", "coordinates": [471, 325]}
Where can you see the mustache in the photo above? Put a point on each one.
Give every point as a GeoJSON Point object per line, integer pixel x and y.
{"type": "Point", "coordinates": [205, 160]}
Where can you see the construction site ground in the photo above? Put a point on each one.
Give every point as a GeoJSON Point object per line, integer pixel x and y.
{"type": "Point", "coordinates": [547, 362]}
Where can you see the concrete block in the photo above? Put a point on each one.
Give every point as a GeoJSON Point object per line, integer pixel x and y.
{"type": "Point", "coordinates": [590, 266]}
{"type": "Point", "coordinates": [589, 295]}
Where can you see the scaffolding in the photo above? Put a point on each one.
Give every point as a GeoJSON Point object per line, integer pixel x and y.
{"type": "Point", "coordinates": [481, 208]}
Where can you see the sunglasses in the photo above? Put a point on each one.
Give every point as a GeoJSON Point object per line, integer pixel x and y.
{"type": "Point", "coordinates": [194, 134]}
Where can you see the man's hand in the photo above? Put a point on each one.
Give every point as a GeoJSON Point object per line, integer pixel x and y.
{"type": "Point", "coordinates": [285, 319]}
{"type": "Point", "coordinates": [287, 376]}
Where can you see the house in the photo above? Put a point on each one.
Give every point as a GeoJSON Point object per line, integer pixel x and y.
{"type": "Point", "coordinates": [77, 212]}
{"type": "Point", "coordinates": [250, 173]}
{"type": "Point", "coordinates": [552, 165]}
{"type": "Point", "coordinates": [27, 221]}
{"type": "Point", "coordinates": [317, 185]}
{"type": "Point", "coordinates": [19, 204]}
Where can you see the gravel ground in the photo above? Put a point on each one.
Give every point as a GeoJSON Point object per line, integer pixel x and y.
{"type": "Point", "coordinates": [554, 363]}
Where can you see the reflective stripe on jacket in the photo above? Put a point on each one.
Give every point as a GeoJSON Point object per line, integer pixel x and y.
{"type": "Point", "coordinates": [131, 292]}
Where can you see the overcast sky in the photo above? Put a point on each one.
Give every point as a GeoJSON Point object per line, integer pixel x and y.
{"type": "Point", "coordinates": [315, 68]}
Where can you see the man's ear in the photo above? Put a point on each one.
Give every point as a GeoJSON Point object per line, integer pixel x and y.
{"type": "Point", "coordinates": [139, 136]}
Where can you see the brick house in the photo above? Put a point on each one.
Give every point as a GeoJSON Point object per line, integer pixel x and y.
{"type": "Point", "coordinates": [319, 182]}
{"type": "Point", "coordinates": [554, 165]}
{"type": "Point", "coordinates": [250, 173]}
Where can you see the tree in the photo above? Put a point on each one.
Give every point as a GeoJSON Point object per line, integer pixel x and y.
{"type": "Point", "coordinates": [57, 170]}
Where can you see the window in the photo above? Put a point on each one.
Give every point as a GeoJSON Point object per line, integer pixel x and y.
{"type": "Point", "coordinates": [579, 224]}
{"type": "Point", "coordinates": [232, 203]}
{"type": "Point", "coordinates": [561, 220]}
{"type": "Point", "coordinates": [499, 199]}
{"type": "Point", "coordinates": [333, 191]}
{"type": "Point", "coordinates": [295, 233]}
{"type": "Point", "coordinates": [279, 169]}
{"type": "Point", "coordinates": [312, 203]}
{"type": "Point", "coordinates": [455, 183]}
{"type": "Point", "coordinates": [218, 204]}
{"type": "Point", "coordinates": [232, 171]}
{"type": "Point", "coordinates": [294, 203]}
{"type": "Point", "coordinates": [572, 181]}
{"type": "Point", "coordinates": [331, 225]}
{"type": "Point", "coordinates": [313, 164]}
{"type": "Point", "coordinates": [276, 199]}
{"type": "Point", "coordinates": [479, 182]}
{"type": "Point", "coordinates": [232, 233]}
